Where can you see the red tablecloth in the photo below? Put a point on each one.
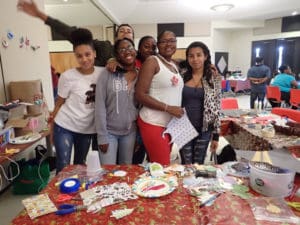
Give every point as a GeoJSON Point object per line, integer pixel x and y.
{"type": "Point", "coordinates": [176, 208]}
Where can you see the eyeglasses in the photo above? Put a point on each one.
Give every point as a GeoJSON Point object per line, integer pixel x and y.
{"type": "Point", "coordinates": [124, 50]}
{"type": "Point", "coordinates": [169, 41]}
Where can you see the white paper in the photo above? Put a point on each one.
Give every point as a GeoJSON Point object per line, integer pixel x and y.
{"type": "Point", "coordinates": [181, 130]}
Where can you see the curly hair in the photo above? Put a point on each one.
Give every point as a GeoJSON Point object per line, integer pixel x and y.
{"type": "Point", "coordinates": [207, 73]}
{"type": "Point", "coordinates": [82, 36]}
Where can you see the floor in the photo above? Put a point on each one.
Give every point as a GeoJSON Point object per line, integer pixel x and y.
{"type": "Point", "coordinates": [11, 205]}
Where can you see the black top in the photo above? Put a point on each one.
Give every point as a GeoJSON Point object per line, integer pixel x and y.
{"type": "Point", "coordinates": [104, 49]}
{"type": "Point", "coordinates": [193, 102]}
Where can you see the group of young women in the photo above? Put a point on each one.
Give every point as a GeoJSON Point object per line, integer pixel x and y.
{"type": "Point", "coordinates": [141, 89]}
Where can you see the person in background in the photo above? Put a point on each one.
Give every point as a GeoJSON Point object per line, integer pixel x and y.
{"type": "Point", "coordinates": [285, 81]}
{"type": "Point", "coordinates": [54, 76]}
{"type": "Point", "coordinates": [158, 89]}
{"type": "Point", "coordinates": [146, 47]}
{"type": "Point", "coordinates": [116, 111]}
{"type": "Point", "coordinates": [104, 49]}
{"type": "Point", "coordinates": [259, 74]}
{"type": "Point", "coordinates": [201, 98]}
{"type": "Point", "coordinates": [73, 116]}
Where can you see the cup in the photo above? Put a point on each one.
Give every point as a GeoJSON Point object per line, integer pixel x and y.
{"type": "Point", "coordinates": [93, 163]}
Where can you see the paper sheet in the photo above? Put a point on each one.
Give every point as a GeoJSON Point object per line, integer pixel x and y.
{"type": "Point", "coordinates": [39, 205]}
{"type": "Point", "coordinates": [181, 130]}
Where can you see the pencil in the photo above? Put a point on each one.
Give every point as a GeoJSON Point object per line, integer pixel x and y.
{"type": "Point", "coordinates": [212, 198]}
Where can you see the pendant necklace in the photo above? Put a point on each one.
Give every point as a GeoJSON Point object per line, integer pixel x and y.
{"type": "Point", "coordinates": [168, 63]}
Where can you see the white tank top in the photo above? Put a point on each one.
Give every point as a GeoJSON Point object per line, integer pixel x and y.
{"type": "Point", "coordinates": [164, 88]}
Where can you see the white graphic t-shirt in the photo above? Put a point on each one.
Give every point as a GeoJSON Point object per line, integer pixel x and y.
{"type": "Point", "coordinates": [77, 113]}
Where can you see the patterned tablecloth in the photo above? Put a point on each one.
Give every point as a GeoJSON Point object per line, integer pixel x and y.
{"type": "Point", "coordinates": [176, 208]}
{"type": "Point", "coordinates": [241, 136]}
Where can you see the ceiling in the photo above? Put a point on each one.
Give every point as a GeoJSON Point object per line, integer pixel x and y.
{"type": "Point", "coordinates": [92, 12]}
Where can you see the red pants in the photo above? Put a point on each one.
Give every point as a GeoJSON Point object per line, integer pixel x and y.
{"type": "Point", "coordinates": [157, 147]}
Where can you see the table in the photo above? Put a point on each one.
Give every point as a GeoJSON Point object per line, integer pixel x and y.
{"type": "Point", "coordinates": [240, 85]}
{"type": "Point", "coordinates": [23, 148]}
{"type": "Point", "coordinates": [176, 208]}
{"type": "Point", "coordinates": [240, 136]}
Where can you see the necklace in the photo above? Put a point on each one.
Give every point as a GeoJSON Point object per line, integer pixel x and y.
{"type": "Point", "coordinates": [173, 66]}
{"type": "Point", "coordinates": [197, 83]}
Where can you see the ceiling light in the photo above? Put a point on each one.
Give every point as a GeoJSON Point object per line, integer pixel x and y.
{"type": "Point", "coordinates": [222, 7]}
{"type": "Point", "coordinates": [294, 13]}
{"type": "Point", "coordinates": [65, 0]}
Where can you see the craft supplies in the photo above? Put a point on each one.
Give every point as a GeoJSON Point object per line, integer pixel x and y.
{"type": "Point", "coordinates": [119, 173]}
{"type": "Point", "coordinates": [151, 187]}
{"type": "Point", "coordinates": [38, 205]}
{"type": "Point", "coordinates": [69, 208]}
{"type": "Point", "coordinates": [69, 185]}
{"type": "Point", "coordinates": [272, 209]}
{"type": "Point", "coordinates": [181, 130]}
{"type": "Point", "coordinates": [156, 170]}
{"type": "Point", "coordinates": [209, 200]}
{"type": "Point", "coordinates": [109, 194]}
{"type": "Point", "coordinates": [120, 213]}
{"type": "Point", "coordinates": [66, 197]}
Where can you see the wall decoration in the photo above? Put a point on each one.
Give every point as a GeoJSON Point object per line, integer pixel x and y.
{"type": "Point", "coordinates": [4, 43]}
{"type": "Point", "coordinates": [10, 35]}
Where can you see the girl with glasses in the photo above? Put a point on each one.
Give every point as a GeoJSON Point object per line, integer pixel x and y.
{"type": "Point", "coordinates": [159, 89]}
{"type": "Point", "coordinates": [116, 111]}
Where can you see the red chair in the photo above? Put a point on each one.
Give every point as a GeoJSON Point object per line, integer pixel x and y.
{"type": "Point", "coordinates": [290, 113]}
{"type": "Point", "coordinates": [274, 95]}
{"type": "Point", "coordinates": [229, 103]}
{"type": "Point", "coordinates": [295, 98]}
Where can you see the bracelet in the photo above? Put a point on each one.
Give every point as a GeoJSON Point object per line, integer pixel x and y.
{"type": "Point", "coordinates": [166, 107]}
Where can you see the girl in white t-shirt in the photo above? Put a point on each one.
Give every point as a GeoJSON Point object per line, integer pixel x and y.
{"type": "Point", "coordinates": [73, 114]}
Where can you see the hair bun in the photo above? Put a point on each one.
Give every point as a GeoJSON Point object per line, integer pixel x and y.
{"type": "Point", "coordinates": [81, 36]}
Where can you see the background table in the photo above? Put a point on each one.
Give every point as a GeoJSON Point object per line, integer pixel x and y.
{"type": "Point", "coordinates": [176, 208]}
{"type": "Point", "coordinates": [240, 85]}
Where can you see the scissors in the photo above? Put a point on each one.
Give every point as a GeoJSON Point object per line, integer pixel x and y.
{"type": "Point", "coordinates": [66, 197]}
{"type": "Point", "coordinates": [69, 208]}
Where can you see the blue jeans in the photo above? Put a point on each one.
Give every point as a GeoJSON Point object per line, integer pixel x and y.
{"type": "Point", "coordinates": [195, 150]}
{"type": "Point", "coordinates": [120, 148]}
{"type": "Point", "coordinates": [64, 140]}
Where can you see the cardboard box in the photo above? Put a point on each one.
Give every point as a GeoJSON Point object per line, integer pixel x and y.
{"type": "Point", "coordinates": [30, 92]}
{"type": "Point", "coordinates": [25, 91]}
{"type": "Point", "coordinates": [17, 112]}
{"type": "Point", "coordinates": [27, 125]}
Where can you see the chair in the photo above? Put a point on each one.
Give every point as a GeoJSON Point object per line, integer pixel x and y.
{"type": "Point", "coordinates": [295, 98]}
{"type": "Point", "coordinates": [274, 95]}
{"type": "Point", "coordinates": [290, 113]}
{"type": "Point", "coordinates": [229, 103]}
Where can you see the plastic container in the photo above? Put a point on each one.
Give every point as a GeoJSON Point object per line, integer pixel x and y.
{"type": "Point", "coordinates": [271, 183]}
{"type": "Point", "coordinates": [93, 163]}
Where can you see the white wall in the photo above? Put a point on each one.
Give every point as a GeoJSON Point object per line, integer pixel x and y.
{"type": "Point", "coordinates": [23, 63]}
